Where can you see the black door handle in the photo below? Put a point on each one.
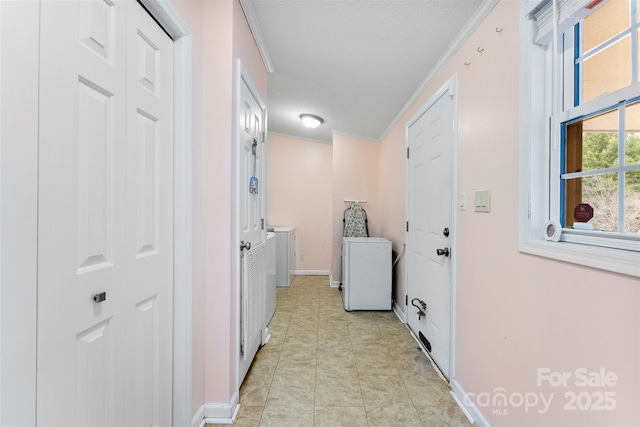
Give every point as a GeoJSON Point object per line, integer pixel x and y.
{"type": "Point", "coordinates": [444, 251]}
{"type": "Point", "coordinates": [244, 245]}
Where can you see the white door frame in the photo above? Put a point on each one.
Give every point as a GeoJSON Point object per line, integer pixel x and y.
{"type": "Point", "coordinates": [241, 74]}
{"type": "Point", "coordinates": [450, 88]}
{"type": "Point", "coordinates": [19, 146]}
{"type": "Point", "coordinates": [164, 12]}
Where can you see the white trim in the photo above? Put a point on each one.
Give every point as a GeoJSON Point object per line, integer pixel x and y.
{"type": "Point", "coordinates": [183, 229]}
{"type": "Point", "coordinates": [335, 283]}
{"type": "Point", "coordinates": [312, 273]}
{"type": "Point", "coordinates": [167, 16]}
{"type": "Point", "coordinates": [450, 88]}
{"type": "Point", "coordinates": [471, 410]}
{"type": "Point", "coordinates": [354, 136]}
{"type": "Point", "coordinates": [198, 418]}
{"type": "Point", "coordinates": [221, 413]}
{"type": "Point", "coordinates": [453, 92]}
{"type": "Point", "coordinates": [400, 314]}
{"type": "Point", "coordinates": [299, 138]}
{"type": "Point", "coordinates": [252, 20]}
{"type": "Point", "coordinates": [462, 407]}
{"type": "Point", "coordinates": [480, 14]}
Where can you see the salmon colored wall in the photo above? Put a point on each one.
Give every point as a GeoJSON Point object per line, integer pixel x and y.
{"type": "Point", "coordinates": [356, 171]}
{"type": "Point", "coordinates": [392, 196]}
{"type": "Point", "coordinates": [299, 181]}
{"type": "Point", "coordinates": [244, 47]}
{"type": "Point", "coordinates": [516, 313]}
{"type": "Point", "coordinates": [220, 35]}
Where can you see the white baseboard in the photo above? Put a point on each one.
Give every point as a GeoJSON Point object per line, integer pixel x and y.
{"type": "Point", "coordinates": [335, 284]}
{"type": "Point", "coordinates": [198, 418]}
{"type": "Point", "coordinates": [216, 413]}
{"type": "Point", "coordinates": [312, 272]}
{"type": "Point", "coordinates": [399, 312]}
{"type": "Point", "coordinates": [470, 410]}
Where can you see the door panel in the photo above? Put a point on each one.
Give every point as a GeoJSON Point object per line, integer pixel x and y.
{"type": "Point", "coordinates": [149, 216]}
{"type": "Point", "coordinates": [81, 214]}
{"type": "Point", "coordinates": [430, 187]}
{"type": "Point", "coordinates": [105, 219]}
{"type": "Point", "coordinates": [251, 152]}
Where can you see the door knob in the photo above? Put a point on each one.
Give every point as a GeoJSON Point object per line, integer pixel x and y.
{"type": "Point", "coordinates": [98, 298]}
{"type": "Point", "coordinates": [444, 251]}
{"type": "Point", "coordinates": [244, 245]}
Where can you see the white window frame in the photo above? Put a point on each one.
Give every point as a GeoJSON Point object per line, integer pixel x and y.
{"type": "Point", "coordinates": [539, 144]}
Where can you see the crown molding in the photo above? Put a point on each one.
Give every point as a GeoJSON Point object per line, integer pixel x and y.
{"type": "Point", "coordinates": [471, 25]}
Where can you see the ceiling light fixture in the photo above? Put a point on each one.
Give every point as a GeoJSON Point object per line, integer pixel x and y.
{"type": "Point", "coordinates": [311, 121]}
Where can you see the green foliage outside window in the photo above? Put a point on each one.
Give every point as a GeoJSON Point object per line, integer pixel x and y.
{"type": "Point", "coordinates": [600, 151]}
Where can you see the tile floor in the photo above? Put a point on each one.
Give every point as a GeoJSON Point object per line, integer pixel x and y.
{"type": "Point", "coordinates": [327, 367]}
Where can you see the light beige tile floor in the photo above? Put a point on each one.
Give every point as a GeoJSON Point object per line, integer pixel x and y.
{"type": "Point", "coordinates": [327, 367]}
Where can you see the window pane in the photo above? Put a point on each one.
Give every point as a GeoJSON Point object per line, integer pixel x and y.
{"type": "Point", "coordinates": [592, 143]}
{"type": "Point", "coordinates": [609, 20]}
{"type": "Point", "coordinates": [632, 202]}
{"type": "Point", "coordinates": [598, 191]}
{"type": "Point", "coordinates": [632, 137]}
{"type": "Point", "coordinates": [607, 71]}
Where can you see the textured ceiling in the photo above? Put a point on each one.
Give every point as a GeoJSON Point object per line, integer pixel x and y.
{"type": "Point", "coordinates": [354, 63]}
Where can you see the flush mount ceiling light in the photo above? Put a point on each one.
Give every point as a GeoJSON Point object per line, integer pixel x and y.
{"type": "Point", "coordinates": [311, 121]}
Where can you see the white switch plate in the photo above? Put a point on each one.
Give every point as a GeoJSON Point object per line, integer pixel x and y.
{"type": "Point", "coordinates": [483, 201]}
{"type": "Point", "coordinates": [462, 201]}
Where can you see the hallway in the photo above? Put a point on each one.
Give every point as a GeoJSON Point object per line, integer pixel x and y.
{"type": "Point", "coordinates": [327, 367]}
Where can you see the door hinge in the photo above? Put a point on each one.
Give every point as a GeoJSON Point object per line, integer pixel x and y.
{"type": "Point", "coordinates": [407, 152]}
{"type": "Point", "coordinates": [406, 300]}
{"type": "Point", "coordinates": [407, 226]}
{"type": "Point", "coordinates": [263, 137]}
{"type": "Point", "coordinates": [262, 224]}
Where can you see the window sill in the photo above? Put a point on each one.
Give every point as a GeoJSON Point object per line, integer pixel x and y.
{"type": "Point", "coordinates": [615, 260]}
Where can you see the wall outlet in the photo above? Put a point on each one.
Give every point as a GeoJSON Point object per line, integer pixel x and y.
{"type": "Point", "coordinates": [301, 257]}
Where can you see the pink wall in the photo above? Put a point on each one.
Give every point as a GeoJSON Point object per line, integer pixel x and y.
{"type": "Point", "coordinates": [393, 198]}
{"type": "Point", "coordinates": [516, 313]}
{"type": "Point", "coordinates": [220, 35]}
{"type": "Point", "coordinates": [356, 173]}
{"type": "Point", "coordinates": [299, 196]}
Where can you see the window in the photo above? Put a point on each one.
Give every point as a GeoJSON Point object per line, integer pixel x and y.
{"type": "Point", "coordinates": [600, 175]}
{"type": "Point", "coordinates": [580, 136]}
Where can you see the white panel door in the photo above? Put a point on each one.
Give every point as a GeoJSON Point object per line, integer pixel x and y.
{"type": "Point", "coordinates": [149, 216]}
{"type": "Point", "coordinates": [430, 228]}
{"type": "Point", "coordinates": [251, 153]}
{"type": "Point", "coordinates": [101, 223]}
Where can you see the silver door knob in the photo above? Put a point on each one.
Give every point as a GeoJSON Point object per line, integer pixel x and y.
{"type": "Point", "coordinates": [244, 245]}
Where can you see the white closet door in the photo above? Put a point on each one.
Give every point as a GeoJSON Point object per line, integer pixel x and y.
{"type": "Point", "coordinates": [149, 216]}
{"type": "Point", "coordinates": [105, 221]}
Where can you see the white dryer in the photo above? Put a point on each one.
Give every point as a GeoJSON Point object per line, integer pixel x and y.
{"type": "Point", "coordinates": [366, 273]}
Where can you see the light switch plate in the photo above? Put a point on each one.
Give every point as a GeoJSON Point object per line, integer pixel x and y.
{"type": "Point", "coordinates": [462, 201]}
{"type": "Point", "coordinates": [483, 201]}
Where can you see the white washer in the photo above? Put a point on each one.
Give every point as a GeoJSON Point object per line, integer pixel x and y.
{"type": "Point", "coordinates": [366, 273]}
